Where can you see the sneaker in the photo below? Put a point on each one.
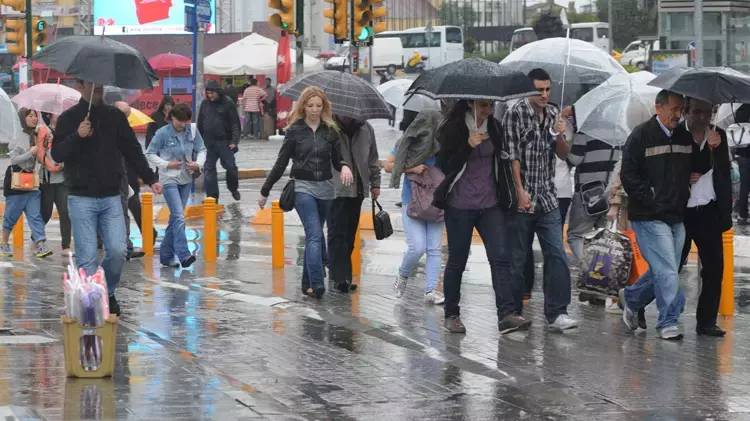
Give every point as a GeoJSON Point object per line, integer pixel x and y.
{"type": "Point", "coordinates": [172, 264]}
{"type": "Point", "coordinates": [612, 306]}
{"type": "Point", "coordinates": [136, 254]}
{"type": "Point", "coordinates": [5, 250]}
{"type": "Point", "coordinates": [434, 297]}
{"type": "Point", "coordinates": [236, 194]}
{"type": "Point", "coordinates": [670, 333]}
{"type": "Point", "coordinates": [400, 286]}
{"type": "Point", "coordinates": [42, 251]}
{"type": "Point", "coordinates": [188, 262]}
{"type": "Point", "coordinates": [512, 323]}
{"type": "Point", "coordinates": [642, 319]}
{"type": "Point", "coordinates": [628, 316]}
{"type": "Point", "coordinates": [454, 325]}
{"type": "Point", "coordinates": [114, 306]}
{"type": "Point", "coordinates": [563, 322]}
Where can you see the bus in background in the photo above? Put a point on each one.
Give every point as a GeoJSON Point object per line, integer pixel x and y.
{"type": "Point", "coordinates": [593, 32]}
{"type": "Point", "coordinates": [446, 44]}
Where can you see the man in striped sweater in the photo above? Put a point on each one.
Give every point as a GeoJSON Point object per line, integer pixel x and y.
{"type": "Point", "coordinates": [594, 161]}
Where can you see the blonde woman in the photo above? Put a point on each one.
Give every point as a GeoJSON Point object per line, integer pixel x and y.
{"type": "Point", "coordinates": [313, 144]}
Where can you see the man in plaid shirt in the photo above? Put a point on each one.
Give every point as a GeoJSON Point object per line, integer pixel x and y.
{"type": "Point", "coordinates": [534, 134]}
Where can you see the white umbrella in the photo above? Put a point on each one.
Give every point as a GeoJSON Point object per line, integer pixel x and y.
{"type": "Point", "coordinates": [10, 125]}
{"type": "Point", "coordinates": [725, 115]}
{"type": "Point", "coordinates": [420, 103]}
{"type": "Point", "coordinates": [393, 91]}
{"type": "Point", "coordinates": [613, 109]}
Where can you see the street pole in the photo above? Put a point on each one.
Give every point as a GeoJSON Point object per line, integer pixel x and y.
{"type": "Point", "coordinates": [698, 25]}
{"type": "Point", "coordinates": [610, 23]}
{"type": "Point", "coordinates": [29, 44]}
{"type": "Point", "coordinates": [199, 85]}
{"type": "Point", "coordinates": [194, 23]}
{"type": "Point", "coordinates": [299, 68]}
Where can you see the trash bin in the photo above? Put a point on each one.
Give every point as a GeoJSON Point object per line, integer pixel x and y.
{"type": "Point", "coordinates": [152, 10]}
{"type": "Point", "coordinates": [89, 351]}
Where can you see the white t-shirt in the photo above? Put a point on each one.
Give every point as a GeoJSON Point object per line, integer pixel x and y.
{"type": "Point", "coordinates": [563, 179]}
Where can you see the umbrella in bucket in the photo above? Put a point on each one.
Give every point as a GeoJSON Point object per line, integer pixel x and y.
{"type": "Point", "coordinates": [350, 95]}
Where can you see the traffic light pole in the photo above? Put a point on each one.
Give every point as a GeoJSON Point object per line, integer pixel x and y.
{"type": "Point", "coordinates": [29, 44]}
{"type": "Point", "coordinates": [299, 28]}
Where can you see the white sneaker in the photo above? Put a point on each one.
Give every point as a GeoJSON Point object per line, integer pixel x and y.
{"type": "Point", "coordinates": [611, 306]}
{"type": "Point", "coordinates": [434, 297]}
{"type": "Point", "coordinates": [563, 322]}
{"type": "Point", "coordinates": [400, 286]}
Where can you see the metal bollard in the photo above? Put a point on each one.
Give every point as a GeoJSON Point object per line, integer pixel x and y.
{"type": "Point", "coordinates": [147, 222]}
{"type": "Point", "coordinates": [357, 253]}
{"type": "Point", "coordinates": [726, 305]}
{"type": "Point", "coordinates": [210, 244]}
{"type": "Point", "coordinates": [18, 233]}
{"type": "Point", "coordinates": [277, 235]}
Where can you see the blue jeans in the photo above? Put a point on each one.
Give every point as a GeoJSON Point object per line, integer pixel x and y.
{"type": "Point", "coordinates": [661, 245]}
{"type": "Point", "coordinates": [422, 237]}
{"type": "Point", "coordinates": [89, 215]}
{"type": "Point", "coordinates": [492, 225]}
{"type": "Point", "coordinates": [29, 203]}
{"type": "Point", "coordinates": [556, 286]}
{"type": "Point", "coordinates": [175, 241]}
{"type": "Point", "coordinates": [313, 213]}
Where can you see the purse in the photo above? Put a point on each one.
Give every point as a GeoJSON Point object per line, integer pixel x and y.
{"type": "Point", "coordinates": [422, 191]}
{"type": "Point", "coordinates": [286, 201]}
{"type": "Point", "coordinates": [594, 196]}
{"type": "Point", "coordinates": [24, 180]}
{"type": "Point", "coordinates": [381, 222]}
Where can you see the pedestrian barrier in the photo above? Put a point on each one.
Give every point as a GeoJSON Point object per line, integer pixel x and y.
{"type": "Point", "coordinates": [147, 222]}
{"type": "Point", "coordinates": [18, 233]}
{"type": "Point", "coordinates": [210, 243]}
{"type": "Point", "coordinates": [100, 341]}
{"type": "Point", "coordinates": [726, 305]}
{"type": "Point", "coordinates": [277, 235]}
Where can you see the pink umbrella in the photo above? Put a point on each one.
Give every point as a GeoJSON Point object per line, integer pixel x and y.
{"type": "Point", "coordinates": [168, 62]}
{"type": "Point", "coordinates": [47, 97]}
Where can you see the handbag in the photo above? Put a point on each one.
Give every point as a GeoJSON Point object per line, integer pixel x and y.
{"type": "Point", "coordinates": [738, 135]}
{"type": "Point", "coordinates": [607, 261]}
{"type": "Point", "coordinates": [594, 196]}
{"type": "Point", "coordinates": [24, 180]}
{"type": "Point", "coordinates": [194, 155]}
{"type": "Point", "coordinates": [422, 191]}
{"type": "Point", "coordinates": [381, 222]}
{"type": "Point", "coordinates": [286, 201]}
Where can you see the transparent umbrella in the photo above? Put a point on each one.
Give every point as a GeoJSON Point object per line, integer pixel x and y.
{"type": "Point", "coordinates": [10, 125]}
{"type": "Point", "coordinates": [613, 109]}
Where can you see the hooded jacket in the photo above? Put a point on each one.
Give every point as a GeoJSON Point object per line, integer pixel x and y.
{"type": "Point", "coordinates": [359, 148]}
{"type": "Point", "coordinates": [218, 120]}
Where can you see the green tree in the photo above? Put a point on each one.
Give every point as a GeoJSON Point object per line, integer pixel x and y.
{"type": "Point", "coordinates": [630, 21]}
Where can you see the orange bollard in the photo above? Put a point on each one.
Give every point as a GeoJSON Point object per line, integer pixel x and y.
{"type": "Point", "coordinates": [210, 244]}
{"type": "Point", "coordinates": [147, 222]}
{"type": "Point", "coordinates": [18, 233]}
{"type": "Point", "coordinates": [277, 235]}
{"type": "Point", "coordinates": [357, 254]}
{"type": "Point", "coordinates": [726, 305]}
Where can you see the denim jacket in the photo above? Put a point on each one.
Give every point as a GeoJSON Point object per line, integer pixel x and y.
{"type": "Point", "coordinates": [169, 145]}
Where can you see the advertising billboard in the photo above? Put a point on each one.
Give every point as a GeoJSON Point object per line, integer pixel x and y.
{"type": "Point", "coordinates": [136, 17]}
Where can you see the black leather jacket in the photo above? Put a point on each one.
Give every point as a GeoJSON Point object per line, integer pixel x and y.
{"type": "Point", "coordinates": [312, 154]}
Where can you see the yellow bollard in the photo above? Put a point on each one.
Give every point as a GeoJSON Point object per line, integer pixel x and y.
{"type": "Point", "coordinates": [726, 305]}
{"type": "Point", "coordinates": [210, 244]}
{"type": "Point", "coordinates": [277, 235]}
{"type": "Point", "coordinates": [18, 233]}
{"type": "Point", "coordinates": [147, 222]}
{"type": "Point", "coordinates": [357, 254]}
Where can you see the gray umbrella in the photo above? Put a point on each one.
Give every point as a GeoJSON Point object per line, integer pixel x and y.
{"type": "Point", "coordinates": [473, 78]}
{"type": "Point", "coordinates": [100, 60]}
{"type": "Point", "coordinates": [715, 85]}
{"type": "Point", "coordinates": [350, 95]}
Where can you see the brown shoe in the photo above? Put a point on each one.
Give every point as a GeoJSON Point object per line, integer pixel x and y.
{"type": "Point", "coordinates": [454, 325]}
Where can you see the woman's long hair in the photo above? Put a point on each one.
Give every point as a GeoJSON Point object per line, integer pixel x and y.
{"type": "Point", "coordinates": [164, 101]}
{"type": "Point", "coordinates": [458, 111]}
{"type": "Point", "coordinates": [22, 114]}
{"type": "Point", "coordinates": [298, 112]}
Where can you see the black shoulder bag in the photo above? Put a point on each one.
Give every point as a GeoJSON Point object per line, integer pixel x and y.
{"type": "Point", "coordinates": [381, 222]}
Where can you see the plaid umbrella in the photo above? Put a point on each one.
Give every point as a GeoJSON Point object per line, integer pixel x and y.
{"type": "Point", "coordinates": [350, 96]}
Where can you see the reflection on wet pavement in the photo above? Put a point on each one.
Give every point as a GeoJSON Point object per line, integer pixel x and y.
{"type": "Point", "coordinates": [237, 340]}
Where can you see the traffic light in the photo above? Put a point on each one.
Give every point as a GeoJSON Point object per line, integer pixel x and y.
{"type": "Point", "coordinates": [361, 22]}
{"type": "Point", "coordinates": [339, 26]}
{"type": "Point", "coordinates": [15, 36]}
{"type": "Point", "coordinates": [38, 34]}
{"type": "Point", "coordinates": [379, 12]}
{"type": "Point", "coordinates": [17, 5]}
{"type": "Point", "coordinates": [284, 18]}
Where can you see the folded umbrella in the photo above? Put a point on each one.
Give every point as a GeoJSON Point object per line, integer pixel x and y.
{"type": "Point", "coordinates": [350, 96]}
{"type": "Point", "coordinates": [715, 85]}
{"type": "Point", "coordinates": [613, 109]}
{"type": "Point", "coordinates": [473, 78]}
{"type": "Point", "coordinates": [48, 98]}
{"type": "Point", "coordinates": [100, 60]}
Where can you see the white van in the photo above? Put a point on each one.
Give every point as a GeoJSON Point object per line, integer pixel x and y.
{"type": "Point", "coordinates": [386, 53]}
{"type": "Point", "coordinates": [596, 33]}
{"type": "Point", "coordinates": [446, 44]}
{"type": "Point", "coordinates": [636, 53]}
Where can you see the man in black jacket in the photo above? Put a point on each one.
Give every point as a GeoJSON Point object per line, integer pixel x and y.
{"type": "Point", "coordinates": [709, 210]}
{"type": "Point", "coordinates": [656, 162]}
{"type": "Point", "coordinates": [219, 124]}
{"type": "Point", "coordinates": [92, 141]}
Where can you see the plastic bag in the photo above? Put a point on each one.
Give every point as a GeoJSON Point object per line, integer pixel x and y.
{"type": "Point", "coordinates": [607, 259]}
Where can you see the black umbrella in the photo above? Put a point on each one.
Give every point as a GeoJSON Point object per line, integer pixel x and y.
{"type": "Point", "coordinates": [473, 78]}
{"type": "Point", "coordinates": [100, 60]}
{"type": "Point", "coordinates": [716, 85]}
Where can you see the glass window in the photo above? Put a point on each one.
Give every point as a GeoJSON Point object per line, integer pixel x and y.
{"type": "Point", "coordinates": [584, 34]}
{"type": "Point", "coordinates": [453, 35]}
{"type": "Point", "coordinates": [415, 41]}
{"type": "Point", "coordinates": [435, 42]}
{"type": "Point", "coordinates": [712, 23]}
{"type": "Point", "coordinates": [681, 24]}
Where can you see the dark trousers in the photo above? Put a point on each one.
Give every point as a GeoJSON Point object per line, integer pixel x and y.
{"type": "Point", "coordinates": [56, 195]}
{"type": "Point", "coordinates": [220, 152]}
{"type": "Point", "coordinates": [528, 272]}
{"type": "Point", "coordinates": [548, 229]}
{"type": "Point", "coordinates": [744, 166]}
{"type": "Point", "coordinates": [134, 205]}
{"type": "Point", "coordinates": [343, 219]}
{"type": "Point", "coordinates": [702, 226]}
{"type": "Point", "coordinates": [492, 225]}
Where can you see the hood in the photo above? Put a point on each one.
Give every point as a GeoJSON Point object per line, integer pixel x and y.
{"type": "Point", "coordinates": [213, 85]}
